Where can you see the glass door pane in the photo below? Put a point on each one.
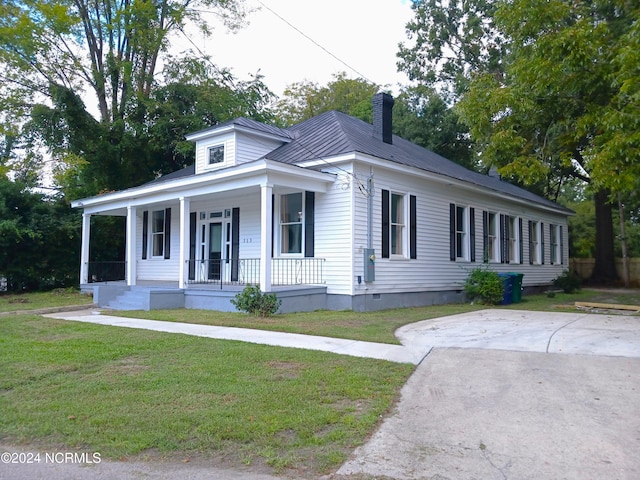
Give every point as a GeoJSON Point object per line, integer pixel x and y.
{"type": "Point", "coordinates": [215, 250]}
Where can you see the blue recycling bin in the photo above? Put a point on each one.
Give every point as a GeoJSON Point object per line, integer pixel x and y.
{"type": "Point", "coordinates": [507, 281]}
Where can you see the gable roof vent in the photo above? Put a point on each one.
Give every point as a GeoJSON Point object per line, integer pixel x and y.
{"type": "Point", "coordinates": [382, 111]}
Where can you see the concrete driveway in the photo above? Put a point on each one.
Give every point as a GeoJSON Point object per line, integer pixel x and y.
{"type": "Point", "coordinates": [514, 395]}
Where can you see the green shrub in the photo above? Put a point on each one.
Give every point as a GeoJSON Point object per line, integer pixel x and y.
{"type": "Point", "coordinates": [252, 300]}
{"type": "Point", "coordinates": [484, 286]}
{"type": "Point", "coordinates": [567, 281]}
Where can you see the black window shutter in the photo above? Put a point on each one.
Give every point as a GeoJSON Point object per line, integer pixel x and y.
{"type": "Point", "coordinates": [542, 243]}
{"type": "Point", "coordinates": [472, 233]}
{"type": "Point", "coordinates": [520, 241]}
{"type": "Point", "coordinates": [385, 223]}
{"type": "Point", "coordinates": [309, 223]}
{"type": "Point", "coordinates": [413, 228]}
{"type": "Point", "coordinates": [235, 242]}
{"type": "Point", "coordinates": [167, 233]}
{"type": "Point", "coordinates": [485, 236]}
{"type": "Point", "coordinates": [193, 224]}
{"type": "Point", "coordinates": [452, 232]}
{"type": "Point", "coordinates": [507, 237]}
{"type": "Point", "coordinates": [145, 233]}
{"type": "Point", "coordinates": [273, 221]}
{"type": "Point", "coordinates": [530, 242]}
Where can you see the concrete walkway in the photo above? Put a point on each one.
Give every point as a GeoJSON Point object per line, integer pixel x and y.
{"type": "Point", "coordinates": [524, 331]}
{"type": "Point", "coordinates": [381, 351]}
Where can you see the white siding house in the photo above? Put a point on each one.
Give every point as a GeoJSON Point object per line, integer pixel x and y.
{"type": "Point", "coordinates": [331, 213]}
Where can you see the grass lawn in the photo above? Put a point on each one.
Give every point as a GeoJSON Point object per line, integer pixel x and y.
{"type": "Point", "coordinates": [372, 326]}
{"type": "Point", "coordinates": [140, 394]}
{"type": "Point", "coordinates": [128, 393]}
{"type": "Point", "coordinates": [11, 302]}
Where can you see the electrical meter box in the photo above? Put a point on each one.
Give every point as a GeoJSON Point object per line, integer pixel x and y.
{"type": "Point", "coordinates": [369, 264]}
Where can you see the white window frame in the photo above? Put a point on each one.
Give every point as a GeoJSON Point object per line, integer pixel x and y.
{"type": "Point", "coordinates": [210, 153]}
{"type": "Point", "coordinates": [157, 235]}
{"type": "Point", "coordinates": [398, 239]}
{"type": "Point", "coordinates": [493, 234]}
{"type": "Point", "coordinates": [514, 240]}
{"type": "Point", "coordinates": [536, 242]}
{"type": "Point", "coordinates": [554, 240]}
{"type": "Point", "coordinates": [462, 238]}
{"type": "Point", "coordinates": [281, 225]}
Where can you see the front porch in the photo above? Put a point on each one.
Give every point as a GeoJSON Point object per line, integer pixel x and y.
{"type": "Point", "coordinates": [210, 285]}
{"type": "Point", "coordinates": [154, 295]}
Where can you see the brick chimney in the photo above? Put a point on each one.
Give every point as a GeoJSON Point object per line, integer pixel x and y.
{"type": "Point", "coordinates": [382, 124]}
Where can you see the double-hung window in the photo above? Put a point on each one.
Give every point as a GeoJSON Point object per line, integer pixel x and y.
{"type": "Point", "coordinates": [157, 233]}
{"type": "Point", "coordinates": [514, 239]}
{"type": "Point", "coordinates": [291, 223]}
{"type": "Point", "coordinates": [535, 242]}
{"type": "Point", "coordinates": [555, 237]}
{"type": "Point", "coordinates": [461, 226]}
{"type": "Point", "coordinates": [399, 225]}
{"type": "Point", "coordinates": [491, 236]}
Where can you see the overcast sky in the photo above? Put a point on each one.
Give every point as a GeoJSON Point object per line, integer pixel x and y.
{"type": "Point", "coordinates": [362, 33]}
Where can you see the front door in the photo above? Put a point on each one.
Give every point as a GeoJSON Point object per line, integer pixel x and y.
{"type": "Point", "coordinates": [217, 250]}
{"type": "Point", "coordinates": [215, 257]}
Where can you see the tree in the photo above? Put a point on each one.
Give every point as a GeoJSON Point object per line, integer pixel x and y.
{"type": "Point", "coordinates": [451, 39]}
{"type": "Point", "coordinates": [422, 116]}
{"type": "Point", "coordinates": [39, 239]}
{"type": "Point", "coordinates": [51, 52]}
{"type": "Point", "coordinates": [304, 100]}
{"type": "Point", "coordinates": [568, 74]}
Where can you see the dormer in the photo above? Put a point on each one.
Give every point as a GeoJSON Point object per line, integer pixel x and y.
{"type": "Point", "coordinates": [235, 142]}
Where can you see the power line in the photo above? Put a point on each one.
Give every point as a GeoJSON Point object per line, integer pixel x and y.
{"type": "Point", "coordinates": [315, 43]}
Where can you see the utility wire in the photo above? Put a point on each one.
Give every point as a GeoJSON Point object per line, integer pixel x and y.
{"type": "Point", "coordinates": [314, 42]}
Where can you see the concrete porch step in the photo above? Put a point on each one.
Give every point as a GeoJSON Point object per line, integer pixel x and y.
{"type": "Point", "coordinates": [130, 300]}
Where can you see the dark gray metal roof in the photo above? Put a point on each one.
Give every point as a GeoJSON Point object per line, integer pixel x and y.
{"type": "Point", "coordinates": [334, 133]}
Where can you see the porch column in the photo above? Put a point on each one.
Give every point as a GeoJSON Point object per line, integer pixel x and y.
{"type": "Point", "coordinates": [184, 242]}
{"type": "Point", "coordinates": [266, 233]}
{"type": "Point", "coordinates": [84, 249]}
{"type": "Point", "coordinates": [131, 246]}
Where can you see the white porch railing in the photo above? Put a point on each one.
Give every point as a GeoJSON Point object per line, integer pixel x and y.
{"type": "Point", "coordinates": [246, 271]}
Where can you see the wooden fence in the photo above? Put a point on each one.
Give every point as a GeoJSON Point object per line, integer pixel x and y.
{"type": "Point", "coordinates": [584, 266]}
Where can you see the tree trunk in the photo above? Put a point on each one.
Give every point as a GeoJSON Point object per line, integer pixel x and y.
{"type": "Point", "coordinates": [604, 271]}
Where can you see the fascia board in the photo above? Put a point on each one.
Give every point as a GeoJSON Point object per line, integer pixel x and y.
{"type": "Point", "coordinates": [246, 175]}
{"type": "Point", "coordinates": [214, 132]}
{"type": "Point", "coordinates": [444, 179]}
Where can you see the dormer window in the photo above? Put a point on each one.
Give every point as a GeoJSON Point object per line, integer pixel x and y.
{"type": "Point", "coordinates": [216, 154]}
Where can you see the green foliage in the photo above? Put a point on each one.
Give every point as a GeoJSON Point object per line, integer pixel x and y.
{"type": "Point", "coordinates": [252, 300]}
{"type": "Point", "coordinates": [422, 116]}
{"type": "Point", "coordinates": [304, 100]}
{"type": "Point", "coordinates": [449, 41]}
{"type": "Point", "coordinates": [484, 286]}
{"type": "Point", "coordinates": [39, 240]}
{"type": "Point", "coordinates": [567, 281]}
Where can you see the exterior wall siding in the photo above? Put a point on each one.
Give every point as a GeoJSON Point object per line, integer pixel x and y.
{"type": "Point", "coordinates": [433, 270]}
{"type": "Point", "coordinates": [341, 231]}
